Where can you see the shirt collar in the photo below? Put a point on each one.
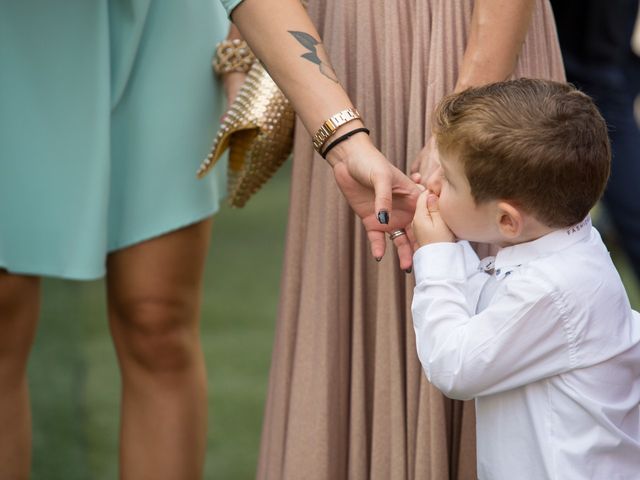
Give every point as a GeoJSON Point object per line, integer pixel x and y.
{"type": "Point", "coordinates": [512, 257]}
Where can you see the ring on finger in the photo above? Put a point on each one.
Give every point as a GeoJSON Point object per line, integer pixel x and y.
{"type": "Point", "coordinates": [397, 233]}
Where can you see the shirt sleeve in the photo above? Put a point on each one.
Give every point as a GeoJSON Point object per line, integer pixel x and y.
{"type": "Point", "coordinates": [459, 260]}
{"type": "Point", "coordinates": [521, 337]}
{"type": "Point", "coordinates": [229, 5]}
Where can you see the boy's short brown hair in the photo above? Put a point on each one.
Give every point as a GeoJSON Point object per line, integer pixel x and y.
{"type": "Point", "coordinates": [540, 144]}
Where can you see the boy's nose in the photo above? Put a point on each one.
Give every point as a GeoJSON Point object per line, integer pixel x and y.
{"type": "Point", "coordinates": [434, 182]}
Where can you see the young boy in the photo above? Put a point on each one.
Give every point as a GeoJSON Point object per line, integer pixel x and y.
{"type": "Point", "coordinates": [542, 335]}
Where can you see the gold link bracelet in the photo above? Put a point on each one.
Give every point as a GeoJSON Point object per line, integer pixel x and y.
{"type": "Point", "coordinates": [330, 126]}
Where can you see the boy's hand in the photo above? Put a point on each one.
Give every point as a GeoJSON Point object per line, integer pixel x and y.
{"type": "Point", "coordinates": [428, 226]}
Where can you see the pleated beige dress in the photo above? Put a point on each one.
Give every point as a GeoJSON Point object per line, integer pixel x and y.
{"type": "Point", "coordinates": [347, 397]}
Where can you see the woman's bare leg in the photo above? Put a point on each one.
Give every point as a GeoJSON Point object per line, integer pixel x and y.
{"type": "Point", "coordinates": [154, 293]}
{"type": "Point", "coordinates": [19, 310]}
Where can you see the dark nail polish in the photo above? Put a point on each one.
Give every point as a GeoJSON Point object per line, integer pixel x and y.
{"type": "Point", "coordinates": [409, 270]}
{"type": "Point", "coordinates": [378, 258]}
{"type": "Point", "coordinates": [383, 217]}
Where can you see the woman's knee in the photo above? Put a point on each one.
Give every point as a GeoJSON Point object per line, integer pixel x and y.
{"type": "Point", "coordinates": [157, 335]}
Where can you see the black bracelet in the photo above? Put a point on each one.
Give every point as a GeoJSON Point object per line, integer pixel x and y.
{"type": "Point", "coordinates": [342, 139]}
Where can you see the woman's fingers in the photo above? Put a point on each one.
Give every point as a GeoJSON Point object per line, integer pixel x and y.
{"type": "Point", "coordinates": [403, 184]}
{"type": "Point", "coordinates": [382, 196]}
{"type": "Point", "coordinates": [405, 251]}
{"type": "Point", "coordinates": [377, 242]}
{"type": "Point", "coordinates": [419, 160]}
{"type": "Point", "coordinates": [386, 183]}
{"type": "Point", "coordinates": [381, 181]}
{"type": "Point", "coordinates": [431, 160]}
{"type": "Point", "coordinates": [402, 244]}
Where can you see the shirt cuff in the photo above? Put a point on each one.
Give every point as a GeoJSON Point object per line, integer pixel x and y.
{"type": "Point", "coordinates": [438, 261]}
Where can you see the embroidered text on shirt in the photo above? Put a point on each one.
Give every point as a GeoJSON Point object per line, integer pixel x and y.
{"type": "Point", "coordinates": [576, 228]}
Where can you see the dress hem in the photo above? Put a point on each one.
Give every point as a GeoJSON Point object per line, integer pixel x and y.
{"type": "Point", "coordinates": [90, 275]}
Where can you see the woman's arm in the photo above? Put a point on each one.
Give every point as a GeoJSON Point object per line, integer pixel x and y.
{"type": "Point", "coordinates": [232, 81]}
{"type": "Point", "coordinates": [283, 37]}
{"type": "Point", "coordinates": [497, 32]}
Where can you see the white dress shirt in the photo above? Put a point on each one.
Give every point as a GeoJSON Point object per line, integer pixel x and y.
{"type": "Point", "coordinates": [547, 345]}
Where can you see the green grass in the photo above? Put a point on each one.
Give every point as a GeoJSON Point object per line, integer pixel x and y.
{"type": "Point", "coordinates": [73, 374]}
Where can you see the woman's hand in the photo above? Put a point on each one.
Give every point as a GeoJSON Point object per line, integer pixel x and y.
{"type": "Point", "coordinates": [425, 163]}
{"type": "Point", "coordinates": [377, 192]}
{"type": "Point", "coordinates": [232, 82]}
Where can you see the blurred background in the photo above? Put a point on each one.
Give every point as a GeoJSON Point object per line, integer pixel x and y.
{"type": "Point", "coordinates": [73, 372]}
{"type": "Point", "coordinates": [74, 379]}
{"type": "Point", "coordinates": [73, 375]}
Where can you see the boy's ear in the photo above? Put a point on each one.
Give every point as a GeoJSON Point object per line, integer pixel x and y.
{"type": "Point", "coordinates": [510, 220]}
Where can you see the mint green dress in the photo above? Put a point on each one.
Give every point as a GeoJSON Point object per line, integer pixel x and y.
{"type": "Point", "coordinates": [106, 109]}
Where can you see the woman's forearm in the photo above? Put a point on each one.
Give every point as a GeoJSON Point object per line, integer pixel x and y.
{"type": "Point", "coordinates": [234, 33]}
{"type": "Point", "coordinates": [291, 49]}
{"type": "Point", "coordinates": [282, 36]}
{"type": "Point", "coordinates": [498, 30]}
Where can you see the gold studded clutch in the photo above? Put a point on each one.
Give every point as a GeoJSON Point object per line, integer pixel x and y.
{"type": "Point", "coordinates": [258, 130]}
